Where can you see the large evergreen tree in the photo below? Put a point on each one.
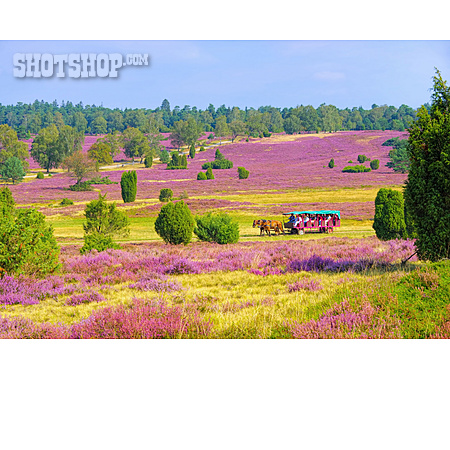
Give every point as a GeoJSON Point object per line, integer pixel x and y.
{"type": "Point", "coordinates": [427, 191]}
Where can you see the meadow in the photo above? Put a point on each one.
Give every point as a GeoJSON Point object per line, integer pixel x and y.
{"type": "Point", "coordinates": [344, 285]}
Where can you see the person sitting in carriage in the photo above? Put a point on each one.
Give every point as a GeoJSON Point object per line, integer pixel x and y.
{"type": "Point", "coordinates": [292, 218]}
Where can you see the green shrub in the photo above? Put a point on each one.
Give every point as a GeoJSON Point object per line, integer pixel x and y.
{"type": "Point", "coordinates": [66, 202]}
{"type": "Point", "coordinates": [218, 155]}
{"type": "Point", "coordinates": [192, 151]}
{"type": "Point", "coordinates": [243, 173]}
{"type": "Point", "coordinates": [175, 223]}
{"type": "Point", "coordinates": [219, 228]}
{"type": "Point", "coordinates": [389, 221]}
{"type": "Point", "coordinates": [148, 161]}
{"type": "Point", "coordinates": [101, 180]}
{"type": "Point", "coordinates": [128, 185]}
{"type": "Point", "coordinates": [7, 203]}
{"type": "Point", "coordinates": [266, 134]}
{"type": "Point", "coordinates": [375, 164]}
{"type": "Point", "coordinates": [209, 174]}
{"type": "Point", "coordinates": [12, 170]}
{"type": "Point", "coordinates": [99, 242]}
{"type": "Point", "coordinates": [218, 164]}
{"type": "Point", "coordinates": [165, 195]}
{"type": "Point", "coordinates": [103, 222]}
{"type": "Point", "coordinates": [331, 163]}
{"type": "Point", "coordinates": [202, 149]}
{"type": "Point", "coordinates": [81, 186]}
{"type": "Point", "coordinates": [178, 161]}
{"type": "Point", "coordinates": [356, 169]}
{"type": "Point", "coordinates": [201, 176]}
{"type": "Point", "coordinates": [27, 244]}
{"type": "Point", "coordinates": [40, 176]}
{"type": "Point", "coordinates": [165, 157]}
{"type": "Point", "coordinates": [362, 158]}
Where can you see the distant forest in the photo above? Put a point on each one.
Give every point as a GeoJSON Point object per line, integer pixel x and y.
{"type": "Point", "coordinates": [27, 119]}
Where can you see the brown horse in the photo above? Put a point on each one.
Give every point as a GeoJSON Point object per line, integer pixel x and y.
{"type": "Point", "coordinates": [261, 224]}
{"type": "Point", "coordinates": [267, 225]}
{"type": "Point", "coordinates": [275, 225]}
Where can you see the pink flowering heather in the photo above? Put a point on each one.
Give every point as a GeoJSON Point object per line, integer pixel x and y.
{"type": "Point", "coordinates": [345, 322]}
{"type": "Point", "coordinates": [305, 284]}
{"type": "Point", "coordinates": [22, 328]}
{"type": "Point", "coordinates": [85, 297]}
{"type": "Point", "coordinates": [141, 321]}
{"type": "Point", "coordinates": [160, 284]}
{"type": "Point", "coordinates": [301, 163]}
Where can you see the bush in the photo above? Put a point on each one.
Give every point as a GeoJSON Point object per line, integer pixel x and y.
{"type": "Point", "coordinates": [128, 184]}
{"type": "Point", "coordinates": [165, 157]}
{"type": "Point", "coordinates": [175, 223]}
{"type": "Point", "coordinates": [27, 244]}
{"type": "Point", "coordinates": [209, 174]}
{"type": "Point", "coordinates": [97, 241]}
{"type": "Point", "coordinates": [177, 162]}
{"type": "Point", "coordinates": [202, 149]}
{"type": "Point", "coordinates": [40, 176]}
{"type": "Point", "coordinates": [218, 155]}
{"type": "Point", "coordinates": [266, 134]}
{"type": "Point", "coordinates": [12, 170]}
{"type": "Point", "coordinates": [165, 195]}
{"type": "Point", "coordinates": [375, 164]}
{"type": "Point", "coordinates": [101, 180]}
{"type": "Point", "coordinates": [66, 202]}
{"type": "Point", "coordinates": [7, 203]}
{"type": "Point", "coordinates": [356, 169]}
{"type": "Point", "coordinates": [201, 176]}
{"type": "Point", "coordinates": [331, 163]}
{"type": "Point", "coordinates": [219, 228]}
{"type": "Point", "coordinates": [148, 161]}
{"type": "Point", "coordinates": [362, 158]}
{"type": "Point", "coordinates": [243, 173]}
{"type": "Point", "coordinates": [218, 164]}
{"type": "Point", "coordinates": [81, 186]}
{"type": "Point", "coordinates": [192, 152]}
{"type": "Point", "coordinates": [103, 221]}
{"type": "Point", "coordinates": [389, 221]}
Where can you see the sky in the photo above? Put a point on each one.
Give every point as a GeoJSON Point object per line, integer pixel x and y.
{"type": "Point", "coordinates": [243, 73]}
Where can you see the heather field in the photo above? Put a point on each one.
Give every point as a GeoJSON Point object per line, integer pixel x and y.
{"type": "Point", "coordinates": [345, 285]}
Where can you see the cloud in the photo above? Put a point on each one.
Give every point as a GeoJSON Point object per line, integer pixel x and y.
{"type": "Point", "coordinates": [329, 76]}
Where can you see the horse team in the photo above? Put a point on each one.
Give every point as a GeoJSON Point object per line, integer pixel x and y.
{"type": "Point", "coordinates": [267, 225]}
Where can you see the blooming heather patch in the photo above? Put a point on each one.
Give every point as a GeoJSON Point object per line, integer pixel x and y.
{"type": "Point", "coordinates": [85, 297]}
{"type": "Point", "coordinates": [22, 328]}
{"type": "Point", "coordinates": [288, 165]}
{"type": "Point", "coordinates": [30, 291]}
{"type": "Point", "coordinates": [141, 321]}
{"type": "Point", "coordinates": [344, 322]}
{"type": "Point", "coordinates": [305, 284]}
{"type": "Point", "coordinates": [161, 284]}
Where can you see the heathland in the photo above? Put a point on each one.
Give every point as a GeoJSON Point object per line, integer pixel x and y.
{"type": "Point", "coordinates": [347, 284]}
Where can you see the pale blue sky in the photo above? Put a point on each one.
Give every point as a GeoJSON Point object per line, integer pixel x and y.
{"type": "Point", "coordinates": [239, 73]}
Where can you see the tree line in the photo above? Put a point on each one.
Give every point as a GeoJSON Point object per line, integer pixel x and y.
{"type": "Point", "coordinates": [29, 119]}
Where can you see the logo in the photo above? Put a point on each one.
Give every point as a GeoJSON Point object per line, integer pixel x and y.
{"type": "Point", "coordinates": [74, 65]}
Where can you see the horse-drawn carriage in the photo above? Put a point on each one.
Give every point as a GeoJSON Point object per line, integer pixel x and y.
{"type": "Point", "coordinates": [323, 221]}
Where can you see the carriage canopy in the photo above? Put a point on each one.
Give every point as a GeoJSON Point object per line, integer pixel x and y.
{"type": "Point", "coordinates": [323, 212]}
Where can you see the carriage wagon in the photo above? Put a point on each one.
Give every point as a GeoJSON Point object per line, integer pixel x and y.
{"type": "Point", "coordinates": [324, 221]}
